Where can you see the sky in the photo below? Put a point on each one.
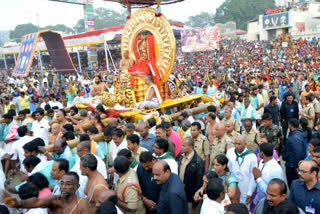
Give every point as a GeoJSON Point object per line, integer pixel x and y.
{"type": "Point", "coordinates": [14, 12]}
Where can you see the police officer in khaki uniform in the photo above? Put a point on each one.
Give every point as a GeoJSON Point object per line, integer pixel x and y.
{"type": "Point", "coordinates": [227, 113]}
{"type": "Point", "coordinates": [271, 132]}
{"type": "Point", "coordinates": [127, 188]}
{"type": "Point", "coordinates": [251, 135]}
{"type": "Point", "coordinates": [231, 133]}
{"type": "Point", "coordinates": [221, 143]}
{"type": "Point", "coordinates": [201, 144]}
{"type": "Point", "coordinates": [316, 105]}
{"type": "Point", "coordinates": [308, 111]}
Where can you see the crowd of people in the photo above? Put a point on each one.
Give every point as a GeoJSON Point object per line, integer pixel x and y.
{"type": "Point", "coordinates": [255, 150]}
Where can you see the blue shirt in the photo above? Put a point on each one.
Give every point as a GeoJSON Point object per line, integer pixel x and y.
{"type": "Point", "coordinates": [274, 111]}
{"type": "Point", "coordinates": [210, 90]}
{"type": "Point", "coordinates": [255, 102]}
{"type": "Point", "coordinates": [172, 198]}
{"type": "Point", "coordinates": [67, 155]}
{"type": "Point", "coordinates": [148, 143]}
{"type": "Point", "coordinates": [302, 197]}
{"type": "Point", "coordinates": [149, 187]}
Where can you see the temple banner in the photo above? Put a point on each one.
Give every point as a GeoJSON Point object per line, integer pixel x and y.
{"type": "Point", "coordinates": [277, 20]}
{"type": "Point", "coordinates": [200, 39]}
{"type": "Point", "coordinates": [57, 50]}
{"type": "Point", "coordinates": [25, 58]}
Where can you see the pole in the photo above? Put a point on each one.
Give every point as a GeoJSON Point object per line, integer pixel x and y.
{"type": "Point", "coordinates": [38, 21]}
{"type": "Point", "coordinates": [79, 60]}
{"type": "Point", "coordinates": [40, 61]}
{"type": "Point", "coordinates": [15, 59]}
{"type": "Point", "coordinates": [106, 53]}
{"type": "Point", "coordinates": [5, 62]}
{"type": "Point", "coordinates": [114, 66]}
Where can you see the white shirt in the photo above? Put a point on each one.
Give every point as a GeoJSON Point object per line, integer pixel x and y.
{"type": "Point", "coordinates": [37, 211]}
{"type": "Point", "coordinates": [17, 148]}
{"type": "Point", "coordinates": [116, 149]}
{"type": "Point", "coordinates": [243, 171]}
{"type": "Point", "coordinates": [2, 176]}
{"type": "Point", "coordinates": [85, 82]}
{"type": "Point", "coordinates": [40, 166]}
{"type": "Point", "coordinates": [269, 171]}
{"type": "Point", "coordinates": [56, 103]}
{"type": "Point", "coordinates": [101, 168]}
{"type": "Point", "coordinates": [44, 104]}
{"type": "Point", "coordinates": [45, 79]}
{"type": "Point", "coordinates": [211, 207]}
{"type": "Point", "coordinates": [41, 129]}
{"type": "Point", "coordinates": [172, 163]}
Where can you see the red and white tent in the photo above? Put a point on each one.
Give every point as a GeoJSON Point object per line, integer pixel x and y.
{"type": "Point", "coordinates": [83, 39]}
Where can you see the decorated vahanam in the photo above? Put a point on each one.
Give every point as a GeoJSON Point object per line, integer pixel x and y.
{"type": "Point", "coordinates": [149, 44]}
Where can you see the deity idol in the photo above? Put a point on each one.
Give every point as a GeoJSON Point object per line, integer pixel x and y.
{"type": "Point", "coordinates": [144, 50]}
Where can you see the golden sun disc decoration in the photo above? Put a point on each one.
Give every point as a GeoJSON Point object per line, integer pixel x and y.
{"type": "Point", "coordinates": [144, 19]}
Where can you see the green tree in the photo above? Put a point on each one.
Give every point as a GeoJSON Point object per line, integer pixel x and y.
{"type": "Point", "coordinates": [4, 37]}
{"type": "Point", "coordinates": [21, 30]}
{"type": "Point", "coordinates": [59, 27]}
{"type": "Point", "coordinates": [79, 27]}
{"type": "Point", "coordinates": [201, 20]}
{"type": "Point", "coordinates": [242, 11]}
{"type": "Point", "coordinates": [104, 18]}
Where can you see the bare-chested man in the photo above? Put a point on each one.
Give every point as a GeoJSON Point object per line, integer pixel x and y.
{"type": "Point", "coordinates": [55, 130]}
{"type": "Point", "coordinates": [96, 183]}
{"type": "Point", "coordinates": [84, 119]}
{"type": "Point", "coordinates": [211, 119]}
{"type": "Point", "coordinates": [98, 87]}
{"type": "Point", "coordinates": [66, 203]}
{"type": "Point", "coordinates": [125, 62]}
{"type": "Point", "coordinates": [103, 196]}
{"type": "Point", "coordinates": [61, 117]}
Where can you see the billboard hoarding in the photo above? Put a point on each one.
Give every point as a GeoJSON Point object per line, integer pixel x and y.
{"type": "Point", "coordinates": [200, 39]}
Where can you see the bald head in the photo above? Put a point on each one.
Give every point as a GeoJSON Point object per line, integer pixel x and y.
{"type": "Point", "coordinates": [113, 122]}
{"type": "Point", "coordinates": [55, 128]}
{"type": "Point", "coordinates": [308, 163]}
{"type": "Point", "coordinates": [59, 146]}
{"type": "Point", "coordinates": [240, 144]}
{"type": "Point", "coordinates": [142, 128]}
{"type": "Point", "coordinates": [104, 195]}
{"type": "Point", "coordinates": [229, 126]}
{"type": "Point", "coordinates": [187, 145]}
{"type": "Point", "coordinates": [161, 171]}
{"type": "Point", "coordinates": [220, 130]}
{"type": "Point", "coordinates": [60, 116]}
{"type": "Point", "coordinates": [185, 124]}
{"type": "Point", "coordinates": [308, 171]}
{"type": "Point", "coordinates": [84, 148]}
{"type": "Point", "coordinates": [142, 125]}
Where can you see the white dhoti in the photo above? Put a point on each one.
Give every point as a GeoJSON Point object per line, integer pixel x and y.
{"type": "Point", "coordinates": [9, 150]}
{"type": "Point", "coordinates": [153, 103]}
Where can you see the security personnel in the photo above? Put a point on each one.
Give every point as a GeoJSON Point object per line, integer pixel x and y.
{"type": "Point", "coordinates": [271, 132]}
{"type": "Point", "coordinates": [221, 143]}
{"type": "Point", "coordinates": [231, 133]}
{"type": "Point", "coordinates": [308, 111]}
{"type": "Point", "coordinates": [289, 110]}
{"type": "Point", "coordinates": [201, 143]}
{"type": "Point", "coordinates": [127, 188]}
{"type": "Point", "coordinates": [251, 135]}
